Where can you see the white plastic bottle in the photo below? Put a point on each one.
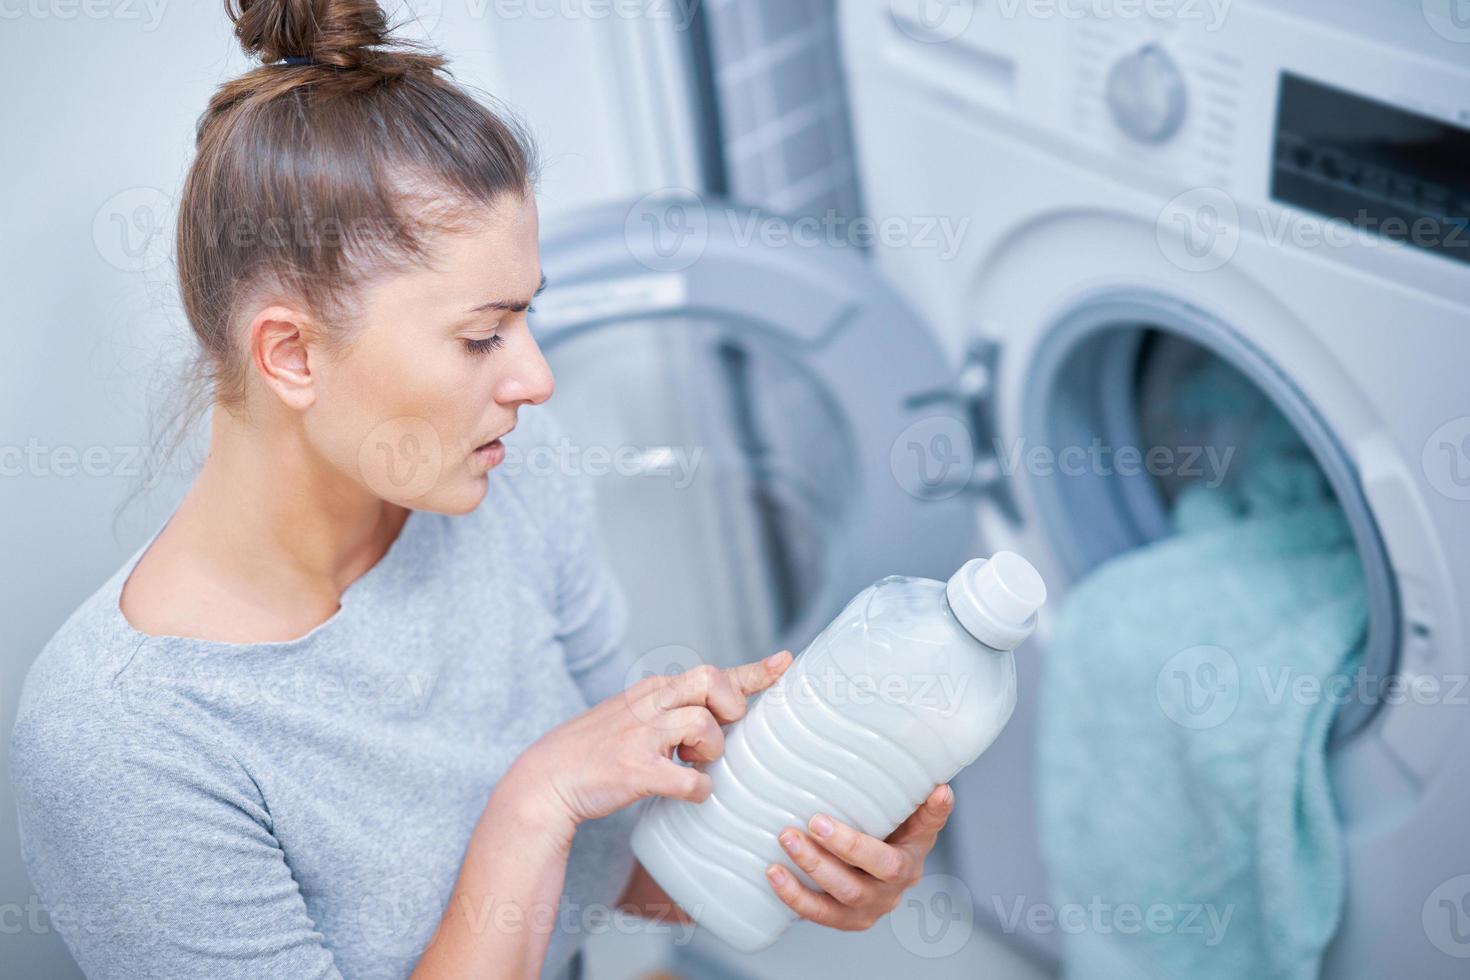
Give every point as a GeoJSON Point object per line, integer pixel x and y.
{"type": "Point", "coordinates": [907, 686]}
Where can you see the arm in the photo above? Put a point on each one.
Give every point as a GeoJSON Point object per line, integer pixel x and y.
{"type": "Point", "coordinates": [500, 914]}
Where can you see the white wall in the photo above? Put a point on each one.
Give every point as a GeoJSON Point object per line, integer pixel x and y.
{"type": "Point", "coordinates": [98, 118]}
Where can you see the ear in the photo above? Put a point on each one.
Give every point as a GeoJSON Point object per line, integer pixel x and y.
{"type": "Point", "coordinates": [278, 338]}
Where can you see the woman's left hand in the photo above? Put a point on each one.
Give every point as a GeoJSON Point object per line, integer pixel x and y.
{"type": "Point", "coordinates": [863, 876]}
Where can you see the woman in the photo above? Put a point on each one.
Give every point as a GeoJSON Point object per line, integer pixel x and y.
{"type": "Point", "coordinates": [333, 718]}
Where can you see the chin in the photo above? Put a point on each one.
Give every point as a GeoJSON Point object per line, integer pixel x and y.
{"type": "Point", "coordinates": [459, 498]}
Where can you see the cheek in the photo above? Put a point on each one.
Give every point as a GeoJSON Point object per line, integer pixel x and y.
{"type": "Point", "coordinates": [394, 421]}
{"type": "Point", "coordinates": [423, 381]}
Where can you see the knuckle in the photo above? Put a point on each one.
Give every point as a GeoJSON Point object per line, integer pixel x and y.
{"type": "Point", "coordinates": [664, 693]}
{"type": "Point", "coordinates": [843, 922]}
{"type": "Point", "coordinates": [894, 867]}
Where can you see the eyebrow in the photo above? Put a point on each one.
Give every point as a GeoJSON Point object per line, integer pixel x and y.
{"type": "Point", "coordinates": [508, 305]}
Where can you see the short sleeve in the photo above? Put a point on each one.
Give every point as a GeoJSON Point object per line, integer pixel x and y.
{"type": "Point", "coordinates": [152, 851]}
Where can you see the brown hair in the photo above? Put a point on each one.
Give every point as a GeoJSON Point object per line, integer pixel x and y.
{"type": "Point", "coordinates": [310, 179]}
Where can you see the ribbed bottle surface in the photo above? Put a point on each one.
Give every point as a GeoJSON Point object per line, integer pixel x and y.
{"type": "Point", "coordinates": [891, 699]}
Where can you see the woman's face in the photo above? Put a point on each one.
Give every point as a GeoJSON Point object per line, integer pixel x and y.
{"type": "Point", "coordinates": [441, 363]}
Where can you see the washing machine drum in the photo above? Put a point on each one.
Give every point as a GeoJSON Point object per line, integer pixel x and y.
{"type": "Point", "coordinates": [1110, 376]}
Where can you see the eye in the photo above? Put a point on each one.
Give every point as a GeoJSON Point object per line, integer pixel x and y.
{"type": "Point", "coordinates": [484, 346]}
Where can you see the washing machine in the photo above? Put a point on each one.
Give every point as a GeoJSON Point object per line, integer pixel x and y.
{"type": "Point", "coordinates": [1063, 208]}
{"type": "Point", "coordinates": [1158, 184]}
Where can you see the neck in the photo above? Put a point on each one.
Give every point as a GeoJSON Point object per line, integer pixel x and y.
{"type": "Point", "coordinates": [277, 514]}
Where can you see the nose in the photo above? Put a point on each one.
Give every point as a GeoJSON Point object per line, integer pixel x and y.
{"type": "Point", "coordinates": [530, 381]}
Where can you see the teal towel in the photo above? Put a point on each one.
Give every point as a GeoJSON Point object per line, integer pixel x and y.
{"type": "Point", "coordinates": [1186, 816]}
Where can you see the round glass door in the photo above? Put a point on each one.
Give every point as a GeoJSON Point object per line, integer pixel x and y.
{"type": "Point", "coordinates": [726, 481]}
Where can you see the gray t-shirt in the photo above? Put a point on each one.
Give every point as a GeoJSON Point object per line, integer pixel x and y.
{"type": "Point", "coordinates": [191, 808]}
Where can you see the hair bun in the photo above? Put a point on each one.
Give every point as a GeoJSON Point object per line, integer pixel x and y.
{"type": "Point", "coordinates": [341, 33]}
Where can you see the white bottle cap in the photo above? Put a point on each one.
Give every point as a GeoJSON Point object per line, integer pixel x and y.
{"type": "Point", "coordinates": [996, 599]}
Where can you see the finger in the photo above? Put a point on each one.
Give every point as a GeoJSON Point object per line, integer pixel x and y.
{"type": "Point", "coordinates": [668, 778]}
{"type": "Point", "coordinates": [724, 699]}
{"type": "Point", "coordinates": [706, 686]}
{"type": "Point", "coordinates": [925, 823]}
{"type": "Point", "coordinates": [754, 677]}
{"type": "Point", "coordinates": [821, 909]}
{"type": "Point", "coordinates": [837, 879]}
{"type": "Point", "coordinates": [879, 859]}
{"type": "Point", "coordinates": [695, 730]}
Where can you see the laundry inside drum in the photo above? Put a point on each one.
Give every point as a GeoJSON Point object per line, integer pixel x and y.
{"type": "Point", "coordinates": [1189, 684]}
{"type": "Point", "coordinates": [1155, 427]}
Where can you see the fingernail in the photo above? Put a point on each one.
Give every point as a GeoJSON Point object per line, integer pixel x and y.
{"type": "Point", "coordinates": [776, 874]}
{"type": "Point", "coordinates": [774, 660]}
{"type": "Point", "coordinates": [946, 795]}
{"type": "Point", "coordinates": [791, 842]}
{"type": "Point", "coordinates": [821, 826]}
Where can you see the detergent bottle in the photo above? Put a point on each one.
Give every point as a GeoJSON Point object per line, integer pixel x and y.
{"type": "Point", "coordinates": [907, 686]}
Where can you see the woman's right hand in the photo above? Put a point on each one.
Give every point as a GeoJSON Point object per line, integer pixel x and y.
{"type": "Point", "coordinates": [622, 750]}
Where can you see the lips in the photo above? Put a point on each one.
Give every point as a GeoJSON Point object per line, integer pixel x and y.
{"type": "Point", "coordinates": [490, 442]}
{"type": "Point", "coordinates": [490, 454]}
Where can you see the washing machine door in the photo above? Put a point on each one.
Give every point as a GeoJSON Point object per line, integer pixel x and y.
{"type": "Point", "coordinates": [743, 402]}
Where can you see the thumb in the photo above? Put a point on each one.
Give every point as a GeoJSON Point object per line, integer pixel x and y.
{"type": "Point", "coordinates": [930, 818]}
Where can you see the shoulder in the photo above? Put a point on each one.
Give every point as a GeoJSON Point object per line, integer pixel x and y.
{"type": "Point", "coordinates": [96, 741]}
{"type": "Point", "coordinates": [90, 738]}
{"type": "Point", "coordinates": [91, 706]}
{"type": "Point", "coordinates": [76, 669]}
